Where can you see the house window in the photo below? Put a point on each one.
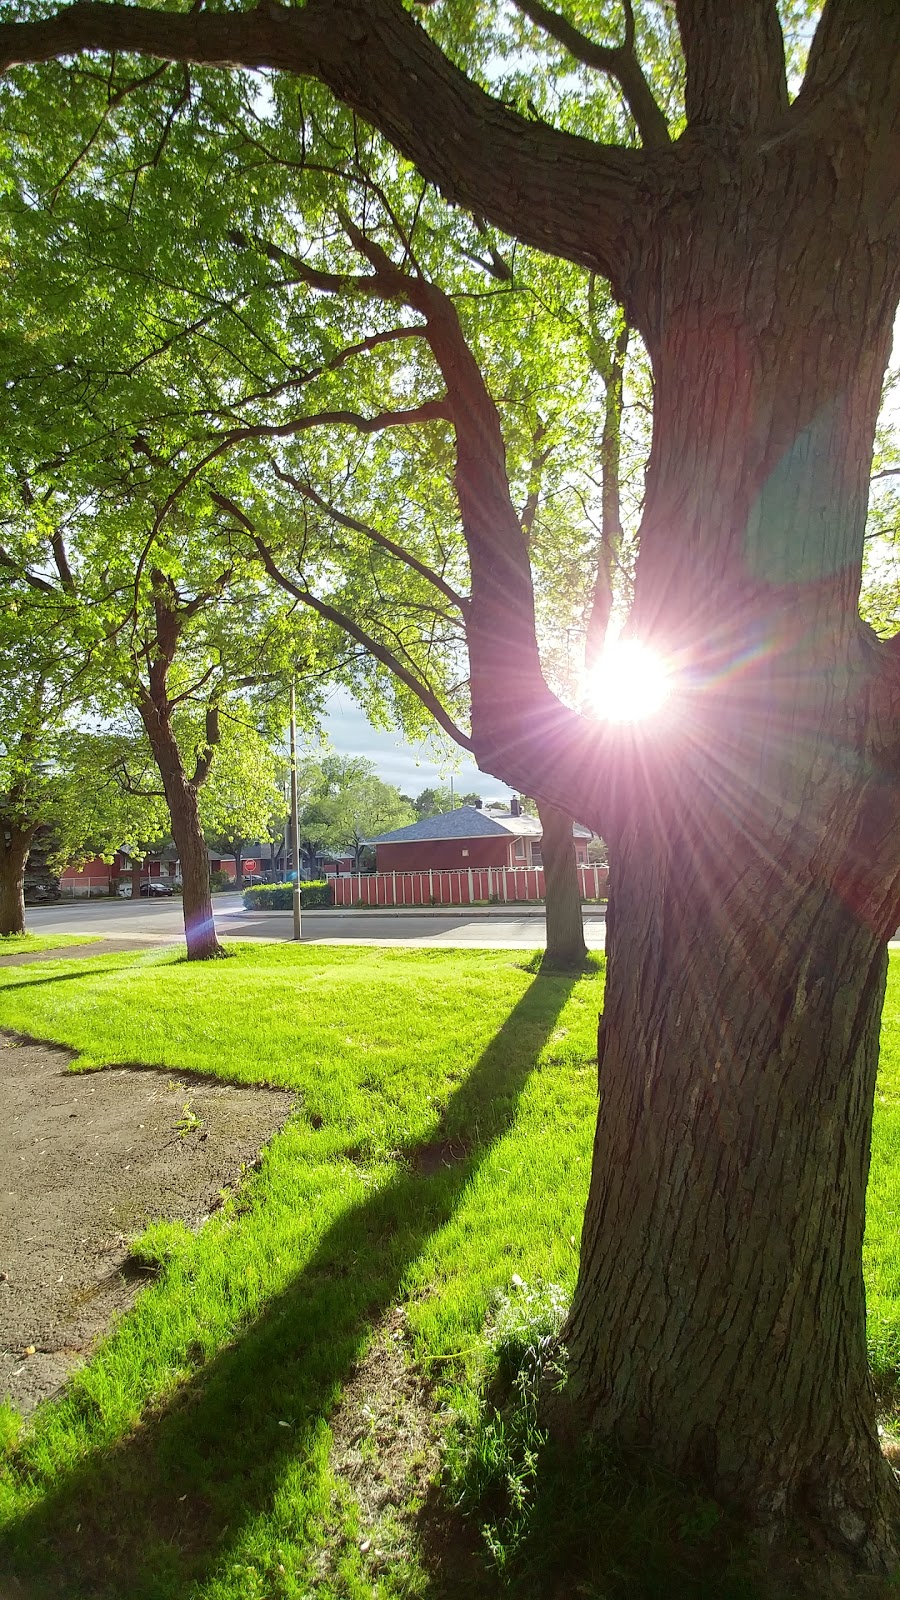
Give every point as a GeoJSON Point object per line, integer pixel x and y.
{"type": "Point", "coordinates": [520, 850]}
{"type": "Point", "coordinates": [465, 852]}
{"type": "Point", "coordinates": [537, 859]}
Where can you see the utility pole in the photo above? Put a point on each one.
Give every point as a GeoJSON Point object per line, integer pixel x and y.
{"type": "Point", "coordinates": [295, 816]}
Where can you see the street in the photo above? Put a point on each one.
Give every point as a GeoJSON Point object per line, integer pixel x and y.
{"type": "Point", "coordinates": [160, 922]}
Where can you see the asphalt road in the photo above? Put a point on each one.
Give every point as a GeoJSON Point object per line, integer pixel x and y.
{"type": "Point", "coordinates": [159, 922]}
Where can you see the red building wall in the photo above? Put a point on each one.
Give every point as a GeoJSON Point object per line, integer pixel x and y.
{"type": "Point", "coordinates": [420, 854]}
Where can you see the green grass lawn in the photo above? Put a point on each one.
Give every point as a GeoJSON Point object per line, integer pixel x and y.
{"type": "Point", "coordinates": [12, 943]}
{"type": "Point", "coordinates": [189, 1460]}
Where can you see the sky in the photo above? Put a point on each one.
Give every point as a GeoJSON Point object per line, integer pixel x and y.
{"type": "Point", "coordinates": [412, 768]}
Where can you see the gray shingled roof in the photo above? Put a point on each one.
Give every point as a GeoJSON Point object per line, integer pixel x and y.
{"type": "Point", "coordinates": [467, 822]}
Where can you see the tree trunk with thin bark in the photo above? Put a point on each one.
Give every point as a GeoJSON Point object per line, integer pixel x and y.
{"type": "Point", "coordinates": [565, 949]}
{"type": "Point", "coordinates": [187, 832]}
{"type": "Point", "coordinates": [15, 844]}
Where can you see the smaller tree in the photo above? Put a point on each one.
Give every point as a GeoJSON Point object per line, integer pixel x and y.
{"type": "Point", "coordinates": [243, 799]}
{"type": "Point", "coordinates": [432, 802]}
{"type": "Point", "coordinates": [347, 803]}
{"type": "Point", "coordinates": [56, 779]}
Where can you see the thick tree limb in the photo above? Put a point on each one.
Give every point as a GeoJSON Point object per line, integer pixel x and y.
{"type": "Point", "coordinates": [734, 53]}
{"type": "Point", "coordinates": [855, 57]}
{"type": "Point", "coordinates": [619, 61]}
{"type": "Point", "coordinates": [61, 558]}
{"type": "Point", "coordinates": [520, 730]}
{"type": "Point", "coordinates": [553, 190]}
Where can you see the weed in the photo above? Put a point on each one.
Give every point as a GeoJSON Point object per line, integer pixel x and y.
{"type": "Point", "coordinates": [493, 1456]}
{"type": "Point", "coordinates": [188, 1122]}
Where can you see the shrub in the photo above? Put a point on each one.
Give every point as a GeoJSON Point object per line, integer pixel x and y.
{"type": "Point", "coordinates": [219, 880]}
{"type": "Point", "coordinates": [316, 894]}
{"type": "Point", "coordinates": [280, 896]}
{"type": "Point", "coordinates": [269, 897]}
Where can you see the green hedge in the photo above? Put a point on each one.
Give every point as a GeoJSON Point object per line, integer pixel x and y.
{"type": "Point", "coordinates": [317, 894]}
{"type": "Point", "coordinates": [280, 896]}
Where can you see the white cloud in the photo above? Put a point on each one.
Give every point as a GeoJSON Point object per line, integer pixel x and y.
{"type": "Point", "coordinates": [410, 767]}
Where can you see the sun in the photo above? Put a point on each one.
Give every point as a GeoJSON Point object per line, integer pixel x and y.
{"type": "Point", "coordinates": [628, 683]}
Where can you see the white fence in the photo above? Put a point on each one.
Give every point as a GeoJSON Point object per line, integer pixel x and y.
{"type": "Point", "coordinates": [464, 886]}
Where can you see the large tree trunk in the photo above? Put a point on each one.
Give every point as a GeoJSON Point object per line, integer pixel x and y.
{"type": "Point", "coordinates": [719, 1316]}
{"type": "Point", "coordinates": [565, 949]}
{"type": "Point", "coordinates": [14, 847]}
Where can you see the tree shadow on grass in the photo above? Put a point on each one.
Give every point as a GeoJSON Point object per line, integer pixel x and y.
{"type": "Point", "coordinates": [36, 983]}
{"type": "Point", "coordinates": [162, 1510]}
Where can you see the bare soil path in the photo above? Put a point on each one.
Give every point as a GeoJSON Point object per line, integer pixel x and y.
{"type": "Point", "coordinates": [88, 1159]}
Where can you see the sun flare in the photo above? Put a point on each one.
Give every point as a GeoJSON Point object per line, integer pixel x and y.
{"type": "Point", "coordinates": [628, 683]}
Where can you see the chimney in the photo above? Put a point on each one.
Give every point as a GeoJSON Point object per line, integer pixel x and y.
{"type": "Point", "coordinates": [515, 810]}
{"type": "Point", "coordinates": [478, 803]}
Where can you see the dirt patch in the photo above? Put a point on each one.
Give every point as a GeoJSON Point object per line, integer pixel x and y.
{"type": "Point", "coordinates": [88, 1159]}
{"type": "Point", "coordinates": [427, 1159]}
{"type": "Point", "coordinates": [386, 1435]}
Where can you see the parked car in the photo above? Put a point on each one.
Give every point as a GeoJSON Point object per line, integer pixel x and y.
{"type": "Point", "coordinates": [41, 892]}
{"type": "Point", "coordinates": [151, 888]}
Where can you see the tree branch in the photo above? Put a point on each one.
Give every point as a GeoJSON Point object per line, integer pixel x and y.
{"type": "Point", "coordinates": [429, 411]}
{"type": "Point", "coordinates": [205, 758]}
{"type": "Point", "coordinates": [734, 54]}
{"type": "Point", "coordinates": [619, 61]}
{"type": "Point", "coordinates": [555, 190]}
{"type": "Point", "coordinates": [31, 578]}
{"type": "Point", "coordinates": [365, 528]}
{"type": "Point", "coordinates": [61, 558]}
{"type": "Point", "coordinates": [421, 690]}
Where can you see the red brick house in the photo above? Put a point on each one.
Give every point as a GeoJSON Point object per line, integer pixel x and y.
{"type": "Point", "coordinates": [469, 837]}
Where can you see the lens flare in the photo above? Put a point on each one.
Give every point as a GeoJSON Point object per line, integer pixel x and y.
{"type": "Point", "coordinates": [628, 683]}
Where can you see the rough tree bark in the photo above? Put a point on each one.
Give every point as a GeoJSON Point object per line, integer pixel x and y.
{"type": "Point", "coordinates": [565, 949]}
{"type": "Point", "coordinates": [15, 843]}
{"type": "Point", "coordinates": [720, 1308]}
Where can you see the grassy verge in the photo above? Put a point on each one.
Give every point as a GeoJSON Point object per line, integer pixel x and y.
{"type": "Point", "coordinates": [438, 1162]}
{"type": "Point", "coordinates": [12, 943]}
